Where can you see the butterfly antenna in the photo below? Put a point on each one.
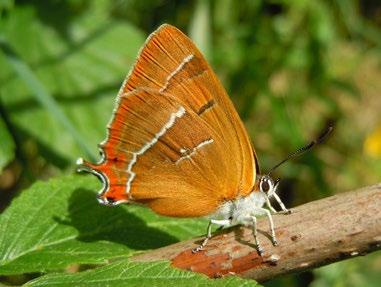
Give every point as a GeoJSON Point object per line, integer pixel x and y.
{"type": "Point", "coordinates": [321, 138]}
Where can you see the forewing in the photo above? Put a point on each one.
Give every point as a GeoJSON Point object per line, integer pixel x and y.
{"type": "Point", "coordinates": [171, 63]}
{"type": "Point", "coordinates": [175, 141]}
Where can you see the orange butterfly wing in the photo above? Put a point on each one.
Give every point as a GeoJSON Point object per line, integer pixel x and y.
{"type": "Point", "coordinates": [175, 141]}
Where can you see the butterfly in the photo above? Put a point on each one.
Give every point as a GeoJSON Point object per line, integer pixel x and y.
{"type": "Point", "coordinates": [176, 144]}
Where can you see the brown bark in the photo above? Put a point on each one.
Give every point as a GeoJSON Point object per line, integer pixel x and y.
{"type": "Point", "coordinates": [315, 234]}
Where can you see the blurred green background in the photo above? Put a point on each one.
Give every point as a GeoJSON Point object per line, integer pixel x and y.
{"type": "Point", "coordinates": [291, 68]}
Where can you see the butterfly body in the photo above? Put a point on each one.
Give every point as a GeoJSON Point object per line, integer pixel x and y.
{"type": "Point", "coordinates": [239, 210]}
{"type": "Point", "coordinates": [176, 144]}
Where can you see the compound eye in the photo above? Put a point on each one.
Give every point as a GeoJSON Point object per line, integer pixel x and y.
{"type": "Point", "coordinates": [265, 186]}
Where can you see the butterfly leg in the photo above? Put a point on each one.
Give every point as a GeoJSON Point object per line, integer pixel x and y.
{"type": "Point", "coordinates": [209, 233]}
{"type": "Point", "coordinates": [255, 234]}
{"type": "Point", "coordinates": [272, 209]}
{"type": "Point", "coordinates": [264, 211]}
{"type": "Point", "coordinates": [284, 209]}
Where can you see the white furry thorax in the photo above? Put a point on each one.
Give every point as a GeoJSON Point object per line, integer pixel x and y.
{"type": "Point", "coordinates": [239, 210]}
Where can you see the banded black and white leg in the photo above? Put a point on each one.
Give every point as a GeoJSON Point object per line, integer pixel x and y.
{"type": "Point", "coordinates": [284, 209]}
{"type": "Point", "coordinates": [277, 198]}
{"type": "Point", "coordinates": [272, 209]}
{"type": "Point", "coordinates": [255, 234]}
{"type": "Point", "coordinates": [223, 222]}
{"type": "Point", "coordinates": [263, 211]}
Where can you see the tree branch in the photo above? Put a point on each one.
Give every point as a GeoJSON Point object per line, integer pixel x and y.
{"type": "Point", "coordinates": [315, 234]}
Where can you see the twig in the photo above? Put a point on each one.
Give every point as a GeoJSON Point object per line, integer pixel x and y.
{"type": "Point", "coordinates": [315, 234]}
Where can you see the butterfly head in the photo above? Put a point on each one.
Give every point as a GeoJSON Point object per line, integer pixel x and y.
{"type": "Point", "coordinates": [267, 185]}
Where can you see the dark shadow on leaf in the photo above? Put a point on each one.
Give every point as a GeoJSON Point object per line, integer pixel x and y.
{"type": "Point", "coordinates": [95, 222]}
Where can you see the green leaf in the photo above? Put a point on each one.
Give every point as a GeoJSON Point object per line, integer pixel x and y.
{"type": "Point", "coordinates": [7, 146]}
{"type": "Point", "coordinates": [43, 97]}
{"type": "Point", "coordinates": [124, 273]}
{"type": "Point", "coordinates": [57, 223]}
{"type": "Point", "coordinates": [81, 70]}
